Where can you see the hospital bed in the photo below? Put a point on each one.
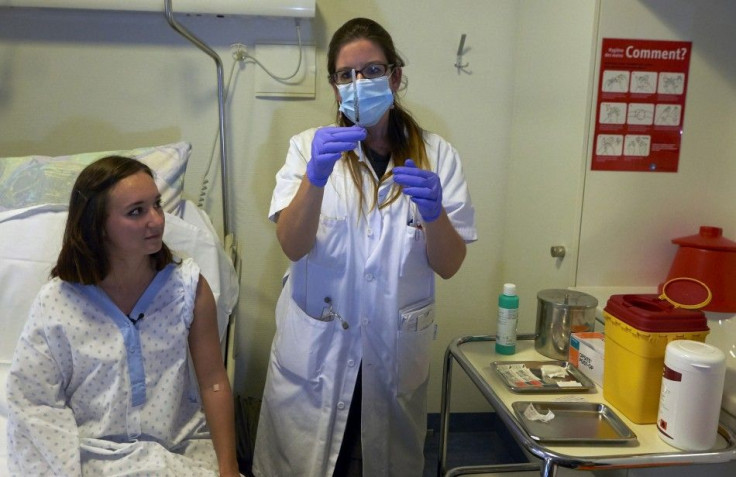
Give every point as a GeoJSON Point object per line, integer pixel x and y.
{"type": "Point", "coordinates": [34, 192]}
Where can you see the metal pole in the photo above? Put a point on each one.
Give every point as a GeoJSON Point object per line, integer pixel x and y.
{"type": "Point", "coordinates": [445, 414]}
{"type": "Point", "coordinates": [221, 106]}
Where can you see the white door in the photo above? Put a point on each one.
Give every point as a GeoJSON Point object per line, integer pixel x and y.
{"type": "Point", "coordinates": [554, 60]}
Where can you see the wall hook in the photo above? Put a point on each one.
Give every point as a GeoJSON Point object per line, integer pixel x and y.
{"type": "Point", "coordinates": [459, 61]}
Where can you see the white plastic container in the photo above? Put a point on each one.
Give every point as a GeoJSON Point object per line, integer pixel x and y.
{"type": "Point", "coordinates": [690, 398]}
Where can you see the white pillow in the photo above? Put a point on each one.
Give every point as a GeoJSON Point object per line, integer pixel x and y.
{"type": "Point", "coordinates": [36, 180]}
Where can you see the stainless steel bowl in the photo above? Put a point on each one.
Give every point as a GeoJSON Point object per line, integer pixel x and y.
{"type": "Point", "coordinates": [560, 313]}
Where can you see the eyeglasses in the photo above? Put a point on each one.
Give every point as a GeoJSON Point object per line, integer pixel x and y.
{"type": "Point", "coordinates": [369, 71]}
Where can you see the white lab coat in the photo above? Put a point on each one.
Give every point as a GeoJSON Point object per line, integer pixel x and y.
{"type": "Point", "coordinates": [370, 266]}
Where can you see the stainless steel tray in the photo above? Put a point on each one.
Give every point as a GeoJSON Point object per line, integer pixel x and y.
{"type": "Point", "coordinates": [528, 377]}
{"type": "Point", "coordinates": [574, 423]}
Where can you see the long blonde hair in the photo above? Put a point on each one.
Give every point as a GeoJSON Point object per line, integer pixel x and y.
{"type": "Point", "coordinates": [405, 137]}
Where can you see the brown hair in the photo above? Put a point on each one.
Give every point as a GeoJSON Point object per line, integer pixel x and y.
{"type": "Point", "coordinates": [83, 258]}
{"type": "Point", "coordinates": [405, 137]}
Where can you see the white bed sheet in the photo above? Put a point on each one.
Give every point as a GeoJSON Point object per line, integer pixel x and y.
{"type": "Point", "coordinates": [30, 240]}
{"type": "Point", "coordinates": [3, 422]}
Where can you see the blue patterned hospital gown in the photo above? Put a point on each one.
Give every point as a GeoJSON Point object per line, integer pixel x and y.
{"type": "Point", "coordinates": [91, 393]}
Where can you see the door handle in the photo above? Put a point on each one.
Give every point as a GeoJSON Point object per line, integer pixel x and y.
{"type": "Point", "coordinates": [557, 251]}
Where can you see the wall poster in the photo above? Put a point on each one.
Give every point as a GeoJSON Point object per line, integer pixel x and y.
{"type": "Point", "coordinates": [641, 105]}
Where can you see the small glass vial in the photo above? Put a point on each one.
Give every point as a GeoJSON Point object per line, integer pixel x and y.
{"type": "Point", "coordinates": [508, 318]}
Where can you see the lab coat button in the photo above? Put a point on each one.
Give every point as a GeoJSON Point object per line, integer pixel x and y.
{"type": "Point", "coordinates": [341, 405]}
{"type": "Point", "coordinates": [369, 277]}
{"type": "Point", "coordinates": [351, 363]}
{"type": "Point", "coordinates": [370, 232]}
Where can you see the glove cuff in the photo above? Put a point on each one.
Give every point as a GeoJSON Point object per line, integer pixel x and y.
{"type": "Point", "coordinates": [433, 217]}
{"type": "Point", "coordinates": [314, 178]}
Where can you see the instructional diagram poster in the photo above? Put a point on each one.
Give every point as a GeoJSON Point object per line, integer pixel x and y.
{"type": "Point", "coordinates": [641, 105]}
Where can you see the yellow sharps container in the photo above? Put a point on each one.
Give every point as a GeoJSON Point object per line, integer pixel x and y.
{"type": "Point", "coordinates": [638, 328]}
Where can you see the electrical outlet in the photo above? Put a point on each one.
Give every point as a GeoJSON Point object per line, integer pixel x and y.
{"type": "Point", "coordinates": [240, 51]}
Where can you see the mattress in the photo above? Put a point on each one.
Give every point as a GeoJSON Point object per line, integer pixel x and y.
{"type": "Point", "coordinates": [31, 239]}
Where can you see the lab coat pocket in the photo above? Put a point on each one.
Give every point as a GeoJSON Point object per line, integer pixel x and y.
{"type": "Point", "coordinates": [331, 244]}
{"type": "Point", "coordinates": [415, 337]}
{"type": "Point", "coordinates": [301, 342]}
{"type": "Point", "coordinates": [414, 263]}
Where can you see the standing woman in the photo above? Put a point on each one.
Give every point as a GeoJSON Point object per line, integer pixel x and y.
{"type": "Point", "coordinates": [367, 211]}
{"type": "Point", "coordinates": [100, 382]}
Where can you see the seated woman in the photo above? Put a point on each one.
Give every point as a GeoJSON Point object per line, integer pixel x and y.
{"type": "Point", "coordinates": [100, 382]}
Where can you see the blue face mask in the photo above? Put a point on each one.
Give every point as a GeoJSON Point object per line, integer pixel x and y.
{"type": "Point", "coordinates": [374, 98]}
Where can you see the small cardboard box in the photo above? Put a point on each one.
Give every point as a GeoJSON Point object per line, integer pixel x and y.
{"type": "Point", "coordinates": [587, 354]}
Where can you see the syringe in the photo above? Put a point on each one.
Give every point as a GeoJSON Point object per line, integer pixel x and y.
{"type": "Point", "coordinates": [357, 108]}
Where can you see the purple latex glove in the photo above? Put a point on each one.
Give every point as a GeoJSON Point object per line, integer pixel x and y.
{"type": "Point", "coordinates": [423, 187]}
{"type": "Point", "coordinates": [327, 147]}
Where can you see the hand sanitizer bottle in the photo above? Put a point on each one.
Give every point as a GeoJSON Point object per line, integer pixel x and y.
{"type": "Point", "coordinates": [508, 317]}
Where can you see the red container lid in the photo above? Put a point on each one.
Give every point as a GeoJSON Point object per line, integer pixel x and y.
{"type": "Point", "coordinates": [708, 238]}
{"type": "Point", "coordinates": [651, 314]}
